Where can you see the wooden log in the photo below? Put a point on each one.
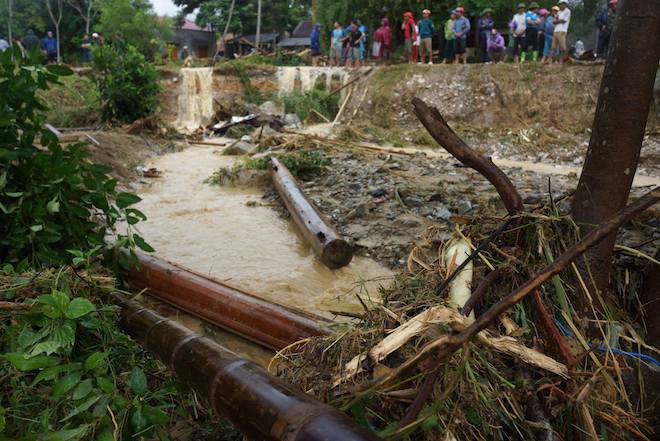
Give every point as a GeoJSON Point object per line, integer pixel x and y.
{"type": "Point", "coordinates": [261, 406]}
{"type": "Point", "coordinates": [263, 322]}
{"type": "Point", "coordinates": [333, 251]}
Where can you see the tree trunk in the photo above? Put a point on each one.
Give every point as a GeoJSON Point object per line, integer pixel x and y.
{"type": "Point", "coordinates": [10, 13]}
{"type": "Point", "coordinates": [650, 298]}
{"type": "Point", "coordinates": [619, 125]}
{"type": "Point", "coordinates": [258, 37]}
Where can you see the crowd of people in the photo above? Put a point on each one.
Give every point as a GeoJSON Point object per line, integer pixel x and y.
{"type": "Point", "coordinates": [48, 47]}
{"type": "Point", "coordinates": [534, 34]}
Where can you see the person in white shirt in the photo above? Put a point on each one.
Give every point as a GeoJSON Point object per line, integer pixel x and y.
{"type": "Point", "coordinates": [519, 28]}
{"type": "Point", "coordinates": [562, 21]}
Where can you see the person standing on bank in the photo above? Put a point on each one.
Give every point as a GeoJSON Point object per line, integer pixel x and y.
{"type": "Point", "coordinates": [315, 44]}
{"type": "Point", "coordinates": [49, 47]}
{"type": "Point", "coordinates": [562, 22]}
{"type": "Point", "coordinates": [519, 28]}
{"type": "Point", "coordinates": [533, 22]}
{"type": "Point", "coordinates": [605, 24]}
{"type": "Point", "coordinates": [426, 33]}
{"type": "Point", "coordinates": [449, 38]}
{"type": "Point", "coordinates": [86, 47]}
{"type": "Point", "coordinates": [485, 25]}
{"type": "Point", "coordinates": [408, 27]}
{"type": "Point", "coordinates": [461, 31]}
{"type": "Point", "coordinates": [336, 45]}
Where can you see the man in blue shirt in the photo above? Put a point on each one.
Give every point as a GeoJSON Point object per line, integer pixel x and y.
{"type": "Point", "coordinates": [49, 46]}
{"type": "Point", "coordinates": [336, 45]}
{"type": "Point", "coordinates": [315, 44]}
{"type": "Point", "coordinates": [532, 32]}
{"type": "Point", "coordinates": [426, 32]}
{"type": "Point", "coordinates": [461, 31]}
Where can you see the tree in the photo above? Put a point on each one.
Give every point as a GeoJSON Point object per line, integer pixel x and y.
{"type": "Point", "coordinates": [88, 9]}
{"type": "Point", "coordinates": [137, 22]}
{"type": "Point", "coordinates": [619, 126]}
{"type": "Point", "coordinates": [56, 17]}
{"type": "Point", "coordinates": [10, 17]}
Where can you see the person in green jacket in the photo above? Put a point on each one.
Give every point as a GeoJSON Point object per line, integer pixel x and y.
{"type": "Point", "coordinates": [449, 39]}
{"type": "Point", "coordinates": [426, 33]}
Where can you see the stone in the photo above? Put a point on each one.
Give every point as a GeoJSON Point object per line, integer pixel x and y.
{"type": "Point", "coordinates": [272, 108]}
{"type": "Point", "coordinates": [359, 211]}
{"type": "Point", "coordinates": [240, 147]}
{"type": "Point", "coordinates": [262, 132]}
{"type": "Point", "coordinates": [464, 206]}
{"type": "Point", "coordinates": [378, 193]}
{"type": "Point", "coordinates": [293, 121]}
{"type": "Point", "coordinates": [442, 213]}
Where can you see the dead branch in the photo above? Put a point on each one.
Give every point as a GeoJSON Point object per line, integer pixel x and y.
{"type": "Point", "coordinates": [447, 138]}
{"type": "Point", "coordinates": [479, 293]}
{"type": "Point", "coordinates": [442, 348]}
{"type": "Point", "coordinates": [10, 306]}
{"type": "Point", "coordinates": [354, 80]}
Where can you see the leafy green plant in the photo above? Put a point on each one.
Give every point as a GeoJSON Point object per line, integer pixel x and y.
{"type": "Point", "coordinates": [73, 103]}
{"type": "Point", "coordinates": [52, 199]}
{"type": "Point", "coordinates": [69, 372]}
{"type": "Point", "coordinates": [302, 104]}
{"type": "Point", "coordinates": [128, 84]}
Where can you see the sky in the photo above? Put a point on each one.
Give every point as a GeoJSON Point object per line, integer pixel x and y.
{"type": "Point", "coordinates": [165, 7]}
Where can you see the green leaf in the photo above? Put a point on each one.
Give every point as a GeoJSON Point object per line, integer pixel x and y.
{"type": "Point", "coordinates": [53, 206]}
{"type": "Point", "coordinates": [94, 360]}
{"type": "Point", "coordinates": [3, 424]}
{"type": "Point", "coordinates": [83, 389]}
{"type": "Point", "coordinates": [59, 70]}
{"type": "Point", "coordinates": [23, 364]}
{"type": "Point", "coordinates": [37, 228]}
{"type": "Point", "coordinates": [138, 421]}
{"type": "Point", "coordinates": [67, 434]}
{"type": "Point", "coordinates": [89, 402]}
{"type": "Point", "coordinates": [105, 435]}
{"type": "Point", "coordinates": [155, 415]}
{"type": "Point", "coordinates": [46, 347]}
{"type": "Point", "coordinates": [66, 384]}
{"type": "Point", "coordinates": [106, 385]}
{"type": "Point", "coordinates": [138, 382]}
{"type": "Point", "coordinates": [125, 200]}
{"type": "Point", "coordinates": [79, 307]}
{"type": "Point", "coordinates": [61, 301]}
{"type": "Point", "coordinates": [142, 244]}
{"type": "Point", "coordinates": [52, 372]}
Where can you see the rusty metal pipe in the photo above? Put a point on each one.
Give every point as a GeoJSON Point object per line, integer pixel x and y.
{"type": "Point", "coordinates": [331, 248]}
{"type": "Point", "coordinates": [239, 312]}
{"type": "Point", "coordinates": [261, 406]}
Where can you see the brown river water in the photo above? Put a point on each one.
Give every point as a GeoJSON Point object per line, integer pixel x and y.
{"type": "Point", "coordinates": [227, 234]}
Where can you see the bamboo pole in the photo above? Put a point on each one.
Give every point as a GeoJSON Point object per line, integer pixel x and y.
{"type": "Point", "coordinates": [261, 406]}
{"type": "Point", "coordinates": [334, 251]}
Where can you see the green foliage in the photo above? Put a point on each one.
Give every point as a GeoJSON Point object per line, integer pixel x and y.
{"type": "Point", "coordinates": [278, 58]}
{"type": "Point", "coordinates": [73, 103]}
{"type": "Point", "coordinates": [128, 84]}
{"type": "Point", "coordinates": [70, 373]}
{"type": "Point", "coordinates": [302, 103]}
{"type": "Point", "coordinates": [52, 199]}
{"type": "Point", "coordinates": [300, 163]}
{"type": "Point", "coordinates": [138, 23]}
{"type": "Point", "coordinates": [278, 15]}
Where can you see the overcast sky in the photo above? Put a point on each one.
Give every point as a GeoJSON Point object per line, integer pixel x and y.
{"type": "Point", "coordinates": [165, 7]}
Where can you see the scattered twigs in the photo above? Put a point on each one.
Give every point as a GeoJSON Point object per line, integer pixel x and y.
{"type": "Point", "coordinates": [482, 246]}
{"type": "Point", "coordinates": [343, 106]}
{"type": "Point", "coordinates": [479, 293]}
{"type": "Point", "coordinates": [553, 339]}
{"type": "Point", "coordinates": [11, 306]}
{"type": "Point", "coordinates": [442, 348]}
{"type": "Point", "coordinates": [447, 138]}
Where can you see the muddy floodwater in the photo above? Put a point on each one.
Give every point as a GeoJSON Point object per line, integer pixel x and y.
{"type": "Point", "coordinates": [228, 234]}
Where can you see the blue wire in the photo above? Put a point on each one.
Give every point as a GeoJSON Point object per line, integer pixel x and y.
{"type": "Point", "coordinates": [614, 350]}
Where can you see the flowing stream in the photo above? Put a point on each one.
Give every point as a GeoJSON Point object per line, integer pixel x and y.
{"type": "Point", "coordinates": [230, 235]}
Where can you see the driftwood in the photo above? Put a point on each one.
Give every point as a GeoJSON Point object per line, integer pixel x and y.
{"type": "Point", "coordinates": [333, 251]}
{"type": "Point", "coordinates": [447, 138]}
{"type": "Point", "coordinates": [353, 81]}
{"type": "Point", "coordinates": [442, 348]}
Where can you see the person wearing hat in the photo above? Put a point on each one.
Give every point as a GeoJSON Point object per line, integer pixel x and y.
{"type": "Point", "coordinates": [485, 25]}
{"type": "Point", "coordinates": [519, 28]}
{"type": "Point", "coordinates": [426, 33]}
{"type": "Point", "coordinates": [548, 32]}
{"type": "Point", "coordinates": [533, 22]}
{"type": "Point", "coordinates": [605, 23]}
{"type": "Point", "coordinates": [408, 27]}
{"type": "Point", "coordinates": [461, 31]}
{"type": "Point", "coordinates": [449, 38]}
{"type": "Point", "coordinates": [562, 21]}
{"type": "Point", "coordinates": [383, 42]}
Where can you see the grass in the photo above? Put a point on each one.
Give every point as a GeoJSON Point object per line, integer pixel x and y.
{"type": "Point", "coordinates": [73, 103]}
{"type": "Point", "coordinates": [302, 104]}
{"type": "Point", "coordinates": [301, 164]}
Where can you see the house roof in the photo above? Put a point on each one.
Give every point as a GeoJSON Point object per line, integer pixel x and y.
{"type": "Point", "coordinates": [295, 42]}
{"type": "Point", "coordinates": [304, 29]}
{"type": "Point", "coordinates": [190, 25]}
{"type": "Point", "coordinates": [264, 38]}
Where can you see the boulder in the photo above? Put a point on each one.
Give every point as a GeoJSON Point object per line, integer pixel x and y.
{"type": "Point", "coordinates": [272, 108]}
{"type": "Point", "coordinates": [240, 147]}
{"type": "Point", "coordinates": [292, 121]}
